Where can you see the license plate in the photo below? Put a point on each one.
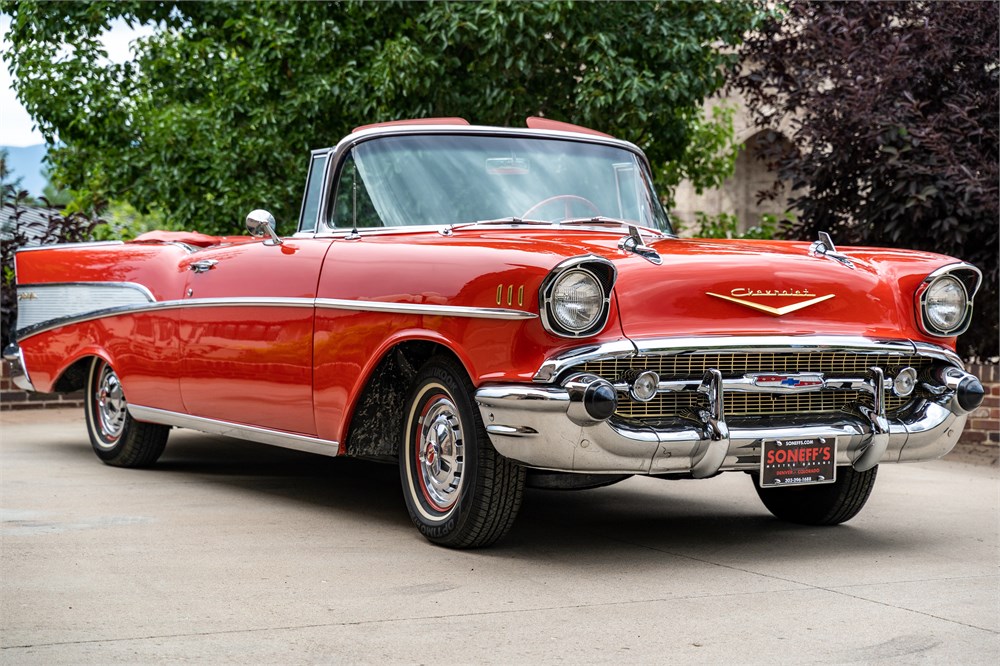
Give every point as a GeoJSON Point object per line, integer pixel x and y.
{"type": "Point", "coordinates": [797, 462]}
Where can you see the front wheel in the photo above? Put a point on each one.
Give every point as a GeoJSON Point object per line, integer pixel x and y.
{"type": "Point", "coordinates": [117, 438]}
{"type": "Point", "coordinates": [827, 504]}
{"type": "Point", "coordinates": [459, 491]}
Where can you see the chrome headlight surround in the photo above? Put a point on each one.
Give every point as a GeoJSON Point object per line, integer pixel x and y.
{"type": "Point", "coordinates": [592, 272]}
{"type": "Point", "coordinates": [966, 278]}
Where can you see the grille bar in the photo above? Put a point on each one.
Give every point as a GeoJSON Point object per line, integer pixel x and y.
{"type": "Point", "coordinates": [692, 366]}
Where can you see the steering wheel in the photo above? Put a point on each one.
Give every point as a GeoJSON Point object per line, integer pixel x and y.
{"type": "Point", "coordinates": [568, 200]}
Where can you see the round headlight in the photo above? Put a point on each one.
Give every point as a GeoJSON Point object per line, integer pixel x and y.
{"type": "Point", "coordinates": [945, 303]}
{"type": "Point", "coordinates": [577, 300]}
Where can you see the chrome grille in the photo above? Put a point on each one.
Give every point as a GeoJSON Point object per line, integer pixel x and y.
{"type": "Point", "coordinates": [731, 365]}
{"type": "Point", "coordinates": [692, 366]}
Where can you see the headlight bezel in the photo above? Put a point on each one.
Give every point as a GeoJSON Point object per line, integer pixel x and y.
{"type": "Point", "coordinates": [601, 271]}
{"type": "Point", "coordinates": [968, 278]}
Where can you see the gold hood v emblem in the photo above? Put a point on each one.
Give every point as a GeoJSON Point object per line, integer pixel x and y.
{"type": "Point", "coordinates": [777, 312]}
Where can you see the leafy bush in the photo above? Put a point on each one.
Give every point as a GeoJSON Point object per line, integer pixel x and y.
{"type": "Point", "coordinates": [726, 225]}
{"type": "Point", "coordinates": [221, 105]}
{"type": "Point", "coordinates": [895, 114]}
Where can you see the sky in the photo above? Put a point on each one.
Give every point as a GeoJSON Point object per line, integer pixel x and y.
{"type": "Point", "coordinates": [16, 126]}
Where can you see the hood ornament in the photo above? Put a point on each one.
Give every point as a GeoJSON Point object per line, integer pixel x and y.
{"type": "Point", "coordinates": [736, 294]}
{"type": "Point", "coordinates": [824, 247]}
{"type": "Point", "coordinates": [633, 243]}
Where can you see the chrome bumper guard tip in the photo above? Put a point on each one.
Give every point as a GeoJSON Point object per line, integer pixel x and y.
{"type": "Point", "coordinates": [535, 425]}
{"type": "Point", "coordinates": [18, 372]}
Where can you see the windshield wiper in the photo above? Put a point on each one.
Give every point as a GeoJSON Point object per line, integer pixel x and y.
{"type": "Point", "coordinates": [602, 220]}
{"type": "Point", "coordinates": [447, 231]}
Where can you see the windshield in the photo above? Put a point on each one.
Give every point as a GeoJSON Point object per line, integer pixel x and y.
{"type": "Point", "coordinates": [457, 179]}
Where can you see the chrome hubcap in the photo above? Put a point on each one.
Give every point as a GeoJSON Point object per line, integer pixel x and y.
{"type": "Point", "coordinates": [111, 406]}
{"type": "Point", "coordinates": [440, 453]}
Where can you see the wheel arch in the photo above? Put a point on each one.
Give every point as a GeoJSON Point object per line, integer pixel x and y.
{"type": "Point", "coordinates": [376, 416]}
{"type": "Point", "coordinates": [73, 375]}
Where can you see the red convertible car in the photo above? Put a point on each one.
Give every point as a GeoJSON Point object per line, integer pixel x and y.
{"type": "Point", "coordinates": [494, 306]}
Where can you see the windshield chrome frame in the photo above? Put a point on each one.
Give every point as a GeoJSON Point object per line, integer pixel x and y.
{"type": "Point", "coordinates": [338, 153]}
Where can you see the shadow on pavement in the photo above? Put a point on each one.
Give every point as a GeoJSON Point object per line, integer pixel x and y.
{"type": "Point", "coordinates": [674, 517]}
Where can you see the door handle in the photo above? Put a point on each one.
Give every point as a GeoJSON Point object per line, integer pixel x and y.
{"type": "Point", "coordinates": [202, 266]}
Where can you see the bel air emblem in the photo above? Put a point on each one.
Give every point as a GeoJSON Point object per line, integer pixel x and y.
{"type": "Point", "coordinates": [789, 382]}
{"type": "Point", "coordinates": [741, 295]}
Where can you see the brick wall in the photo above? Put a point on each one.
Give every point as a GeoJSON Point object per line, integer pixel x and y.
{"type": "Point", "coordinates": [12, 397]}
{"type": "Point", "coordinates": [982, 430]}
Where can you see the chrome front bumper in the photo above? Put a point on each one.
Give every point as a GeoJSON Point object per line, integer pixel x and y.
{"type": "Point", "coordinates": [536, 426]}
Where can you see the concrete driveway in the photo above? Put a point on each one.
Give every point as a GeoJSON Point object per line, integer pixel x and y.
{"type": "Point", "coordinates": [234, 552]}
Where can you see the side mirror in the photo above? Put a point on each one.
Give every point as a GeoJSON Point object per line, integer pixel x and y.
{"type": "Point", "coordinates": [261, 223]}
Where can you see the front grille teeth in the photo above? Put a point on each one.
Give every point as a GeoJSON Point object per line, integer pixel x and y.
{"type": "Point", "coordinates": [691, 366]}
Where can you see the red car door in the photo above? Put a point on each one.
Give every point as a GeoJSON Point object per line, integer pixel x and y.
{"type": "Point", "coordinates": [246, 349]}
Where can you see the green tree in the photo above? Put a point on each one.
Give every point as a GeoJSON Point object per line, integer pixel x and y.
{"type": "Point", "coordinates": [217, 111]}
{"type": "Point", "coordinates": [895, 109]}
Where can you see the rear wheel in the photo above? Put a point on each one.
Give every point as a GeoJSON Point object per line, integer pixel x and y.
{"type": "Point", "coordinates": [117, 438]}
{"type": "Point", "coordinates": [459, 491]}
{"type": "Point", "coordinates": [827, 504]}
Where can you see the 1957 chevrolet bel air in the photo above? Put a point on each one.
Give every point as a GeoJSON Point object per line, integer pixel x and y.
{"type": "Point", "coordinates": [485, 305]}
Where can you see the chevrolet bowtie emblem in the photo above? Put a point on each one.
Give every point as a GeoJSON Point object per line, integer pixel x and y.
{"type": "Point", "coordinates": [777, 312]}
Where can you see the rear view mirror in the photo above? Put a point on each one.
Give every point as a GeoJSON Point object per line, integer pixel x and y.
{"type": "Point", "coordinates": [261, 223]}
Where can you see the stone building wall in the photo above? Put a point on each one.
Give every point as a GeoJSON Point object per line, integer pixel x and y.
{"type": "Point", "coordinates": [738, 194]}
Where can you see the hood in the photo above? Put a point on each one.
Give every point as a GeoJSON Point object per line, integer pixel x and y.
{"type": "Point", "coordinates": [716, 287]}
{"type": "Point", "coordinates": [725, 287]}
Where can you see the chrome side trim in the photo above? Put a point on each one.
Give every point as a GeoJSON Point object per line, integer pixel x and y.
{"type": "Point", "coordinates": [164, 305]}
{"type": "Point", "coordinates": [554, 366]}
{"type": "Point", "coordinates": [236, 302]}
{"type": "Point", "coordinates": [240, 431]}
{"type": "Point", "coordinates": [61, 246]}
{"type": "Point", "coordinates": [422, 309]}
{"type": "Point", "coordinates": [18, 372]}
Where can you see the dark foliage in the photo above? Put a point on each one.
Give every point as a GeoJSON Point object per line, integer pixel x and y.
{"type": "Point", "coordinates": [894, 114]}
{"type": "Point", "coordinates": [51, 226]}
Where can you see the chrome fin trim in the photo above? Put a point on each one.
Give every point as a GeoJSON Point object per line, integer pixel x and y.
{"type": "Point", "coordinates": [237, 430]}
{"type": "Point", "coordinates": [63, 246]}
{"type": "Point", "coordinates": [41, 305]}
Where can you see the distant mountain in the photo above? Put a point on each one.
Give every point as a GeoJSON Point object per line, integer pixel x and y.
{"type": "Point", "coordinates": [25, 162]}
